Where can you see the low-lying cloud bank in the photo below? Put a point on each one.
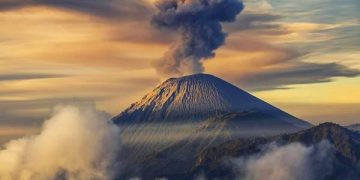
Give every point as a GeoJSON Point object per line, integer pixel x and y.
{"type": "Point", "coordinates": [290, 162]}
{"type": "Point", "coordinates": [75, 143]}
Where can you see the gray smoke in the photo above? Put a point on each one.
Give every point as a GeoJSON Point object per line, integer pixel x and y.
{"type": "Point", "coordinates": [198, 24]}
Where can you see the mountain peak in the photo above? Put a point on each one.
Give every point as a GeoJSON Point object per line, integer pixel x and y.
{"type": "Point", "coordinates": [193, 77]}
{"type": "Point", "coordinates": [329, 126]}
{"type": "Point", "coordinates": [199, 78]}
{"type": "Point", "coordinates": [332, 132]}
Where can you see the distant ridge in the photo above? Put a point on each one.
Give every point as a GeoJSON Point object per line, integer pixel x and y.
{"type": "Point", "coordinates": [355, 127]}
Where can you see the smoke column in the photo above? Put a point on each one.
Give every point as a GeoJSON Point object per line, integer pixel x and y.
{"type": "Point", "coordinates": [76, 143]}
{"type": "Point", "coordinates": [198, 24]}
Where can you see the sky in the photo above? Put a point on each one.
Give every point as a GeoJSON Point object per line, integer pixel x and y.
{"type": "Point", "coordinates": [301, 56]}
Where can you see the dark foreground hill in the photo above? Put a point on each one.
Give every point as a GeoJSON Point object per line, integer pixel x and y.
{"type": "Point", "coordinates": [343, 161]}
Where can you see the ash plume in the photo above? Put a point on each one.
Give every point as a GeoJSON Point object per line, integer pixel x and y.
{"type": "Point", "coordinates": [199, 29]}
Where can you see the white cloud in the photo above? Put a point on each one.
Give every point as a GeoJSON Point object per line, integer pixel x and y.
{"type": "Point", "coordinates": [75, 143]}
{"type": "Point", "coordinates": [291, 162]}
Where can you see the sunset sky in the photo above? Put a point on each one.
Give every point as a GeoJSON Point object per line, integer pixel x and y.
{"type": "Point", "coordinates": [301, 56]}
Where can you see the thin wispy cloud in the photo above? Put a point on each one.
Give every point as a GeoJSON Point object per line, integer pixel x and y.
{"type": "Point", "coordinates": [113, 9]}
{"type": "Point", "coordinates": [19, 76]}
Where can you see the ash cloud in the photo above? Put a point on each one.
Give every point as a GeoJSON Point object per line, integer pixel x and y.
{"type": "Point", "coordinates": [77, 142]}
{"type": "Point", "coordinates": [199, 29]}
{"type": "Point", "coordinates": [290, 162]}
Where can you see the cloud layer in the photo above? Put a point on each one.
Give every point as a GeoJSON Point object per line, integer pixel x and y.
{"type": "Point", "coordinates": [264, 66]}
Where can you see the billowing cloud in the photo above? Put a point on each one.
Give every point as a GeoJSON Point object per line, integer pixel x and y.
{"type": "Point", "coordinates": [290, 162]}
{"type": "Point", "coordinates": [198, 24]}
{"type": "Point", "coordinates": [77, 142]}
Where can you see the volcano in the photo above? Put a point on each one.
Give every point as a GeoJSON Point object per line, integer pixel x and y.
{"type": "Point", "coordinates": [200, 97]}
